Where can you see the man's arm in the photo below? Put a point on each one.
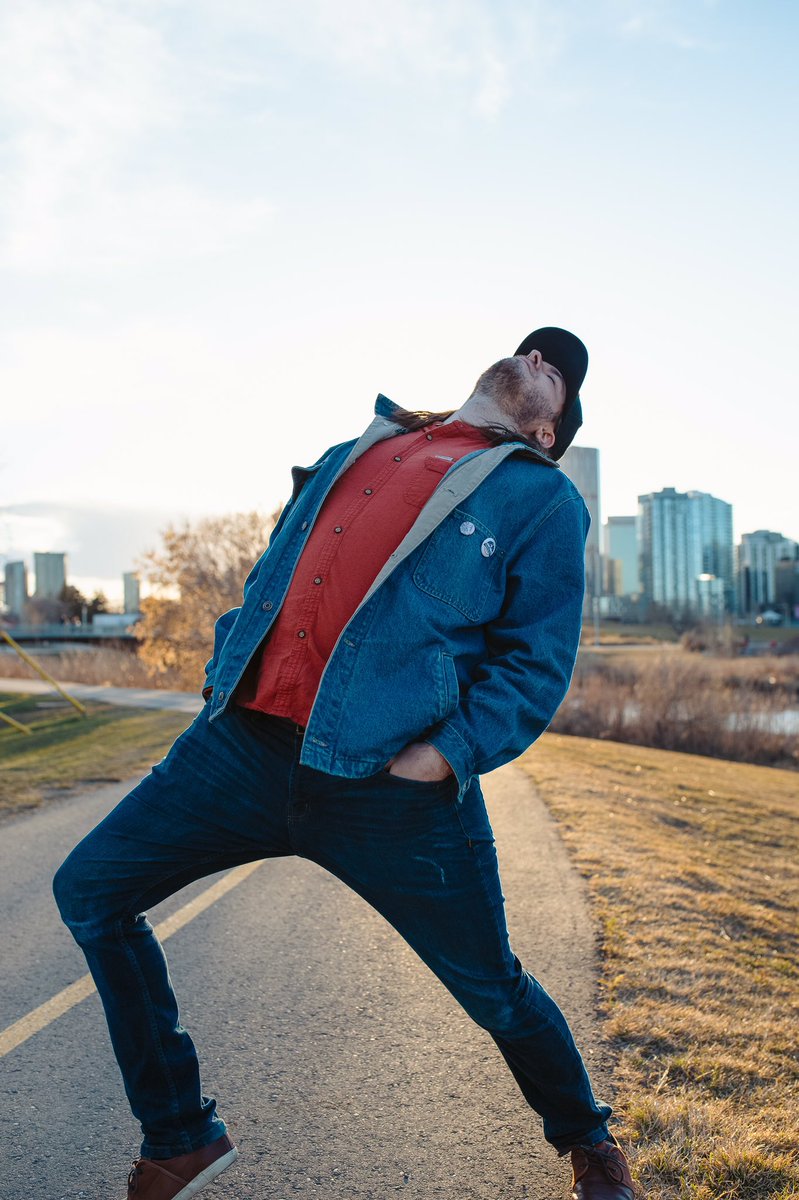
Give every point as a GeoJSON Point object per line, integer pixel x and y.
{"type": "Point", "coordinates": [225, 623]}
{"type": "Point", "coordinates": [532, 648]}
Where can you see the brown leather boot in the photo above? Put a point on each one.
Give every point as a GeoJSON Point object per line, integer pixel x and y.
{"type": "Point", "coordinates": [180, 1177]}
{"type": "Point", "coordinates": [601, 1172]}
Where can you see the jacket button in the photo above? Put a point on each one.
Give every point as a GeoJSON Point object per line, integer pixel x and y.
{"type": "Point", "coordinates": [337, 529]}
{"type": "Point", "coordinates": [318, 579]}
{"type": "Point", "coordinates": [367, 491]}
{"type": "Point", "coordinates": [301, 633]}
{"type": "Point", "coordinates": [267, 604]}
{"type": "Point", "coordinates": [221, 696]}
{"type": "Point", "coordinates": [304, 525]}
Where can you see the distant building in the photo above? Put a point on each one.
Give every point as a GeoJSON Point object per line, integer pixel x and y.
{"type": "Point", "coordinates": [759, 554]}
{"type": "Point", "coordinates": [16, 588]}
{"type": "Point", "coordinates": [131, 592]}
{"type": "Point", "coordinates": [683, 537]}
{"type": "Point", "coordinates": [710, 529]}
{"type": "Point", "coordinates": [621, 557]}
{"type": "Point", "coordinates": [786, 588]}
{"type": "Point", "coordinates": [51, 575]}
{"type": "Point", "coordinates": [581, 464]}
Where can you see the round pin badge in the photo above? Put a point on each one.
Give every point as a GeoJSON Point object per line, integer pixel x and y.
{"type": "Point", "coordinates": [488, 547]}
{"type": "Point", "coordinates": [467, 527]}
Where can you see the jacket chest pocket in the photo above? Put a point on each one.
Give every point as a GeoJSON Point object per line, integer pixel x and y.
{"type": "Point", "coordinates": [460, 564]}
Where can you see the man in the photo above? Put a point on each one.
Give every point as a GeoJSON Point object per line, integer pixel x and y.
{"type": "Point", "coordinates": [413, 623]}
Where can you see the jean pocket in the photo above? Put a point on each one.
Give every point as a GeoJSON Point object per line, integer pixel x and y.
{"type": "Point", "coordinates": [403, 780]}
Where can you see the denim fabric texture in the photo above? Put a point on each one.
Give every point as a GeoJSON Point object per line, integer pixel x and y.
{"type": "Point", "coordinates": [468, 636]}
{"type": "Point", "coordinates": [236, 789]}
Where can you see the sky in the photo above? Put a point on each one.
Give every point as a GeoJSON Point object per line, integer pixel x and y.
{"type": "Point", "coordinates": [226, 225]}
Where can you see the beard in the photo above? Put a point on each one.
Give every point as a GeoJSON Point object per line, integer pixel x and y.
{"type": "Point", "coordinates": [516, 392]}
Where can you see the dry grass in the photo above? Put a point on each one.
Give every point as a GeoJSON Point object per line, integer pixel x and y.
{"type": "Point", "coordinates": [116, 668]}
{"type": "Point", "coordinates": [728, 708]}
{"type": "Point", "coordinates": [693, 865]}
{"type": "Point", "coordinates": [66, 749]}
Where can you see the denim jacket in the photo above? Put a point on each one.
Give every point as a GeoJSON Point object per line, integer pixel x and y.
{"type": "Point", "coordinates": [466, 638]}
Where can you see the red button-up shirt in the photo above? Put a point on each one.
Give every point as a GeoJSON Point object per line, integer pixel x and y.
{"type": "Point", "coordinates": [363, 519]}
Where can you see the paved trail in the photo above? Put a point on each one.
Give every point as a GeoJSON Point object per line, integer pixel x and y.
{"type": "Point", "coordinates": [342, 1066]}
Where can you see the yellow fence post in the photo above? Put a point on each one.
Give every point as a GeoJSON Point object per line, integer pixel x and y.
{"type": "Point", "coordinates": [32, 663]}
{"type": "Point", "coordinates": [17, 724]}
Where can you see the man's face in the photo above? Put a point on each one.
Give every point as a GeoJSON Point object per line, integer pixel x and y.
{"type": "Point", "coordinates": [530, 391]}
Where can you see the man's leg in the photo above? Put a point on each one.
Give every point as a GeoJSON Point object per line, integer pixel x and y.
{"type": "Point", "coordinates": [429, 866]}
{"type": "Point", "coordinates": [218, 799]}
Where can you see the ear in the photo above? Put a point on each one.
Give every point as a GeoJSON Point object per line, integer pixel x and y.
{"type": "Point", "coordinates": [545, 435]}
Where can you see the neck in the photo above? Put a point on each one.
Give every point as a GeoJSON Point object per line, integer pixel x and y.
{"type": "Point", "coordinates": [481, 409]}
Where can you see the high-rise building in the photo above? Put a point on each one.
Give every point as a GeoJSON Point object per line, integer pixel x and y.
{"type": "Point", "coordinates": [786, 588]}
{"type": "Point", "coordinates": [131, 592]}
{"type": "Point", "coordinates": [621, 555]}
{"type": "Point", "coordinates": [581, 464]}
{"type": "Point", "coordinates": [684, 542]}
{"type": "Point", "coordinates": [51, 575]}
{"type": "Point", "coordinates": [711, 534]}
{"type": "Point", "coordinates": [16, 587]}
{"type": "Point", "coordinates": [758, 556]}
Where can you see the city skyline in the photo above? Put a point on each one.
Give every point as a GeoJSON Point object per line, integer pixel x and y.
{"type": "Point", "coordinates": [223, 231]}
{"type": "Point", "coordinates": [582, 464]}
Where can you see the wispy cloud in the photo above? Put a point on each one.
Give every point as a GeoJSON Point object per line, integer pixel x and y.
{"type": "Point", "coordinates": [87, 91]}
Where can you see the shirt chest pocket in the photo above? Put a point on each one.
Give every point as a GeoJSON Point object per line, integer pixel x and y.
{"type": "Point", "coordinates": [461, 564]}
{"type": "Point", "coordinates": [420, 489]}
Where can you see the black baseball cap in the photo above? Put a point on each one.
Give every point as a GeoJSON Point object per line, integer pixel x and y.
{"type": "Point", "coordinates": [566, 352]}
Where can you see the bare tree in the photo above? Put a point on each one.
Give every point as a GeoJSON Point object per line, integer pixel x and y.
{"type": "Point", "coordinates": [196, 575]}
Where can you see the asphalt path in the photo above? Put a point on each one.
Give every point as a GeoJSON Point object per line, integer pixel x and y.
{"type": "Point", "coordinates": [342, 1066]}
{"type": "Point", "coordinates": [188, 702]}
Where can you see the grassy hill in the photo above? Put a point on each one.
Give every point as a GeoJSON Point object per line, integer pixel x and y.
{"type": "Point", "coordinates": [692, 865]}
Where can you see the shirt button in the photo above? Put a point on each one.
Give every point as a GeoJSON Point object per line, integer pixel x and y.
{"type": "Point", "coordinates": [267, 604]}
{"type": "Point", "coordinates": [397, 458]}
{"type": "Point", "coordinates": [318, 579]}
{"type": "Point", "coordinates": [301, 633]}
{"type": "Point", "coordinates": [429, 437]}
{"type": "Point", "coordinates": [367, 491]}
{"type": "Point", "coordinates": [304, 525]}
{"type": "Point", "coordinates": [337, 529]}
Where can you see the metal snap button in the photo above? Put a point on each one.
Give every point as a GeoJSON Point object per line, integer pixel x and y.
{"type": "Point", "coordinates": [267, 604]}
{"type": "Point", "coordinates": [304, 525]}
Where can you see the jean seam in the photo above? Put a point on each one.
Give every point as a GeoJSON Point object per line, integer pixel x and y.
{"type": "Point", "coordinates": [150, 1007]}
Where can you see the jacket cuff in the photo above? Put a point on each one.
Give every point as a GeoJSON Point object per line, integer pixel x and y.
{"type": "Point", "coordinates": [458, 754]}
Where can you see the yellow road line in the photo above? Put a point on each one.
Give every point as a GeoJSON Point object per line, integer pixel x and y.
{"type": "Point", "coordinates": [48, 1012]}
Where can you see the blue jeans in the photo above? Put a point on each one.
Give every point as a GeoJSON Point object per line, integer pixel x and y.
{"type": "Point", "coordinates": [234, 792]}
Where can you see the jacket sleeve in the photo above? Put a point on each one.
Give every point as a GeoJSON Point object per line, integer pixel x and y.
{"type": "Point", "coordinates": [533, 644]}
{"type": "Point", "coordinates": [225, 623]}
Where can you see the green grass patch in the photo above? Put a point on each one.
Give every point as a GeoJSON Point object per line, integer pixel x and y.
{"type": "Point", "coordinates": [66, 749]}
{"type": "Point", "coordinates": [693, 868]}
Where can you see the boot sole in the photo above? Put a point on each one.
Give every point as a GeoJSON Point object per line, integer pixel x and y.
{"type": "Point", "coordinates": [208, 1175]}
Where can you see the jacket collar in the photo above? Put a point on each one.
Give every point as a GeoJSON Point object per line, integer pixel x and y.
{"type": "Point", "coordinates": [386, 408]}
